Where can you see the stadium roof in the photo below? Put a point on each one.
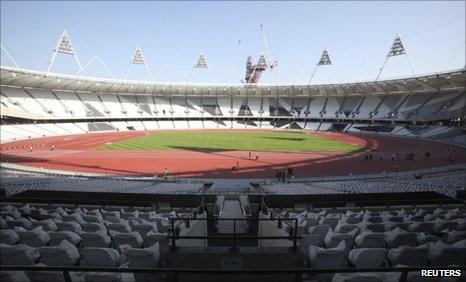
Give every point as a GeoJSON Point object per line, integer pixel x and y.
{"type": "Point", "coordinates": [452, 80]}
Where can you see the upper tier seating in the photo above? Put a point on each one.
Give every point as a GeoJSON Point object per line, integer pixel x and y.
{"type": "Point", "coordinates": [58, 104]}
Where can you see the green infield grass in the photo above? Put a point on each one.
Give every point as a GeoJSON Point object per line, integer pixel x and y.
{"type": "Point", "coordinates": [233, 141]}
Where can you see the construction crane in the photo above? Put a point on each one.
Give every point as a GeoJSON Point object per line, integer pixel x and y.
{"type": "Point", "coordinates": [254, 72]}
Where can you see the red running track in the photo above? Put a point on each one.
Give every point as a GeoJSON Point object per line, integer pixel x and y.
{"type": "Point", "coordinates": [74, 153]}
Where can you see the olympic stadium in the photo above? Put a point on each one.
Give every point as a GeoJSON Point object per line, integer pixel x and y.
{"type": "Point", "coordinates": [108, 179]}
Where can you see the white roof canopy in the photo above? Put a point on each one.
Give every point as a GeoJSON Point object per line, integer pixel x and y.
{"type": "Point", "coordinates": [445, 81]}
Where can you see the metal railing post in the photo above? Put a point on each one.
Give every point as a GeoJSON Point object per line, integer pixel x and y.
{"type": "Point", "coordinates": [404, 276]}
{"type": "Point", "coordinates": [172, 221]}
{"type": "Point", "coordinates": [295, 239]}
{"type": "Point", "coordinates": [66, 275]}
{"type": "Point", "coordinates": [234, 235]}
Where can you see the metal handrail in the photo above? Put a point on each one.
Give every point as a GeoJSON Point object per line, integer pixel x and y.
{"type": "Point", "coordinates": [185, 220]}
{"type": "Point", "coordinates": [387, 202]}
{"type": "Point", "coordinates": [293, 229]}
{"type": "Point", "coordinates": [173, 236]}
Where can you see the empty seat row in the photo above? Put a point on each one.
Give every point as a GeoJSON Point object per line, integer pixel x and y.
{"type": "Point", "coordinates": [436, 254]}
{"type": "Point", "coordinates": [66, 254]}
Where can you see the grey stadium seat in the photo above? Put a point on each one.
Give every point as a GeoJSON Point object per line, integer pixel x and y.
{"type": "Point", "coordinates": [398, 237]}
{"type": "Point", "coordinates": [100, 257]}
{"type": "Point", "coordinates": [131, 238]}
{"type": "Point", "coordinates": [19, 254]}
{"type": "Point", "coordinates": [57, 237]}
{"type": "Point", "coordinates": [69, 226]}
{"type": "Point", "coordinates": [327, 258]}
{"type": "Point", "coordinates": [8, 236]}
{"type": "Point", "coordinates": [367, 257]}
{"type": "Point", "coordinates": [443, 254]}
{"type": "Point", "coordinates": [322, 230]}
{"type": "Point", "coordinates": [64, 254]}
{"type": "Point", "coordinates": [35, 237]}
{"type": "Point", "coordinates": [95, 239]}
{"type": "Point", "coordinates": [410, 256]}
{"type": "Point", "coordinates": [47, 224]}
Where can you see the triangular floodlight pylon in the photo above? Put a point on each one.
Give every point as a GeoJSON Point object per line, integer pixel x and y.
{"type": "Point", "coordinates": [324, 59]}
{"type": "Point", "coordinates": [138, 59]}
{"type": "Point", "coordinates": [201, 63]}
{"type": "Point", "coordinates": [397, 48]}
{"type": "Point", "coordinates": [262, 63]}
{"type": "Point", "coordinates": [64, 46]}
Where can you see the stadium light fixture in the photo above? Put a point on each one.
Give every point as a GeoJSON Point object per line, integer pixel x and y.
{"type": "Point", "coordinates": [397, 48]}
{"type": "Point", "coordinates": [201, 63]}
{"type": "Point", "coordinates": [323, 61]}
{"type": "Point", "coordinates": [63, 46]}
{"type": "Point", "coordinates": [139, 59]}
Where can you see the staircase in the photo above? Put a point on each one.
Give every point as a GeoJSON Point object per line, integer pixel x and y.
{"type": "Point", "coordinates": [232, 209]}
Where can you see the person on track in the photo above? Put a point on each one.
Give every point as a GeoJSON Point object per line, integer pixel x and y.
{"type": "Point", "coordinates": [257, 156]}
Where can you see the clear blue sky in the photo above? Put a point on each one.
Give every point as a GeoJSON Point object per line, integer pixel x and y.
{"type": "Point", "coordinates": [175, 33]}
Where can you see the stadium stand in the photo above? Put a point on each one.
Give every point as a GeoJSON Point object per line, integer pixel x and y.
{"type": "Point", "coordinates": [395, 114]}
{"type": "Point", "coordinates": [79, 238]}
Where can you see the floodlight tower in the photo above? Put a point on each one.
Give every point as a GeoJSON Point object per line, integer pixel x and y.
{"type": "Point", "coordinates": [63, 46]}
{"type": "Point", "coordinates": [397, 48]}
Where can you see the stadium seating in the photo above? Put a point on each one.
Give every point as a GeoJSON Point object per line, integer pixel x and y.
{"type": "Point", "coordinates": [67, 105]}
{"type": "Point", "coordinates": [93, 239]}
{"type": "Point", "coordinates": [115, 236]}
{"type": "Point", "coordinates": [389, 248]}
